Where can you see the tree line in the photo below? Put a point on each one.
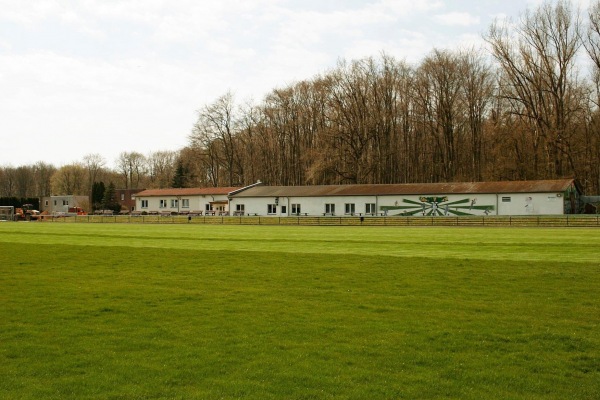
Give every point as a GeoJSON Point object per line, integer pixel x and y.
{"type": "Point", "coordinates": [525, 110]}
{"type": "Point", "coordinates": [91, 177]}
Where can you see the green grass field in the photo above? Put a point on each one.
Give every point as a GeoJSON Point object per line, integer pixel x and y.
{"type": "Point", "coordinates": [111, 311]}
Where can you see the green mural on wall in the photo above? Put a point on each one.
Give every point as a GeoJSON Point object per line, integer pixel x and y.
{"type": "Point", "coordinates": [438, 206]}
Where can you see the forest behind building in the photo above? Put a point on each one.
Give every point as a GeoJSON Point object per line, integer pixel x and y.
{"type": "Point", "coordinates": [525, 109]}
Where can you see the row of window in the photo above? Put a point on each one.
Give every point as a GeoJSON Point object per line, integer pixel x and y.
{"type": "Point", "coordinates": [185, 203]}
{"type": "Point", "coordinates": [64, 203]}
{"type": "Point", "coordinates": [507, 199]}
{"type": "Point", "coordinates": [349, 208]}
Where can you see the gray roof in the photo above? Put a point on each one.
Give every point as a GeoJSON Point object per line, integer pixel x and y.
{"type": "Point", "coordinates": [544, 186]}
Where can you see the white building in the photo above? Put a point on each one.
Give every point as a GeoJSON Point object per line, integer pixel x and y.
{"type": "Point", "coordinates": [200, 201]}
{"type": "Point", "coordinates": [548, 197]}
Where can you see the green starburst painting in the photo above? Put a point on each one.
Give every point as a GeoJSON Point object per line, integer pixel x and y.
{"type": "Point", "coordinates": [438, 206]}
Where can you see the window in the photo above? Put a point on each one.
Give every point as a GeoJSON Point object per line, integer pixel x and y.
{"type": "Point", "coordinates": [122, 196]}
{"type": "Point", "coordinates": [284, 209]}
{"type": "Point", "coordinates": [54, 202]}
{"type": "Point", "coordinates": [240, 208]}
{"type": "Point", "coordinates": [185, 203]}
{"type": "Point", "coordinates": [163, 204]}
{"type": "Point", "coordinates": [132, 196]}
{"type": "Point", "coordinates": [349, 208]}
{"type": "Point", "coordinates": [271, 209]}
{"type": "Point", "coordinates": [144, 203]}
{"type": "Point", "coordinates": [330, 208]}
{"type": "Point", "coordinates": [207, 207]}
{"type": "Point", "coordinates": [65, 202]}
{"type": "Point", "coordinates": [174, 203]}
{"type": "Point", "coordinates": [370, 208]}
{"type": "Point", "coordinates": [506, 199]}
{"type": "Point", "coordinates": [296, 209]}
{"type": "Point", "coordinates": [46, 202]}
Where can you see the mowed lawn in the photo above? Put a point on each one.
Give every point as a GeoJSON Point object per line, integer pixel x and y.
{"type": "Point", "coordinates": [111, 311]}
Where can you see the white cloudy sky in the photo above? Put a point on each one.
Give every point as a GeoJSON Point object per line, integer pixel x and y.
{"type": "Point", "coordinates": [105, 76]}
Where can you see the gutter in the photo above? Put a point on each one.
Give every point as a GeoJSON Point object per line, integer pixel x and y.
{"type": "Point", "coordinates": [287, 210]}
{"type": "Point", "coordinates": [497, 210]}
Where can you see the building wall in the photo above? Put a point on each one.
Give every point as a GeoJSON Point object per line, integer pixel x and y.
{"type": "Point", "coordinates": [283, 206]}
{"type": "Point", "coordinates": [531, 204]}
{"type": "Point", "coordinates": [126, 198]}
{"type": "Point", "coordinates": [54, 204]}
{"type": "Point", "coordinates": [413, 205]}
{"type": "Point", "coordinates": [177, 203]}
{"type": "Point", "coordinates": [476, 204]}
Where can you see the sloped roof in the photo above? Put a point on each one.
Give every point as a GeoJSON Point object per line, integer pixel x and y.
{"type": "Point", "coordinates": [545, 186]}
{"type": "Point", "coordinates": [187, 191]}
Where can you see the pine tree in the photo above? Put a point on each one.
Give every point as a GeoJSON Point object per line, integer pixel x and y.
{"type": "Point", "coordinates": [108, 201]}
{"type": "Point", "coordinates": [98, 190]}
{"type": "Point", "coordinates": [180, 178]}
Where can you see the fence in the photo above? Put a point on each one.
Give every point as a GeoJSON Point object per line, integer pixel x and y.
{"type": "Point", "coordinates": [517, 221]}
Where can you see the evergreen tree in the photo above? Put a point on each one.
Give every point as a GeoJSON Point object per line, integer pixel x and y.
{"type": "Point", "coordinates": [180, 178]}
{"type": "Point", "coordinates": [98, 190]}
{"type": "Point", "coordinates": [108, 201]}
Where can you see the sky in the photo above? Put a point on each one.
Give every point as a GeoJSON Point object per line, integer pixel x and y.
{"type": "Point", "coordinates": [80, 77]}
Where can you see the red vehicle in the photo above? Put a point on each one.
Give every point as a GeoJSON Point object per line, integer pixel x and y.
{"type": "Point", "coordinates": [76, 210]}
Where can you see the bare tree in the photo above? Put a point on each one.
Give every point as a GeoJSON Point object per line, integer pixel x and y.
{"type": "Point", "coordinates": [478, 91]}
{"type": "Point", "coordinates": [160, 167]}
{"type": "Point", "coordinates": [592, 132]}
{"type": "Point", "coordinates": [537, 57]}
{"type": "Point", "coordinates": [206, 151]}
{"type": "Point", "coordinates": [131, 166]}
{"type": "Point", "coordinates": [440, 81]}
{"type": "Point", "coordinates": [69, 180]}
{"type": "Point", "coordinates": [42, 175]}
{"type": "Point", "coordinates": [93, 163]}
{"type": "Point", "coordinates": [8, 182]}
{"type": "Point", "coordinates": [353, 123]}
{"type": "Point", "coordinates": [25, 181]}
{"type": "Point", "coordinates": [250, 169]}
{"type": "Point", "coordinates": [214, 132]}
{"type": "Point", "coordinates": [591, 41]}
